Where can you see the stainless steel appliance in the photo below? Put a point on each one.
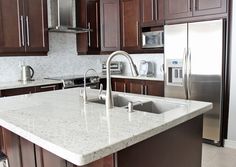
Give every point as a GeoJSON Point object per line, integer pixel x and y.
{"type": "Point", "coordinates": [116, 67]}
{"type": "Point", "coordinates": [146, 68]}
{"type": "Point", "coordinates": [27, 73]}
{"type": "Point", "coordinates": [153, 39]}
{"type": "Point", "coordinates": [194, 68]}
{"type": "Point", "coordinates": [73, 81]}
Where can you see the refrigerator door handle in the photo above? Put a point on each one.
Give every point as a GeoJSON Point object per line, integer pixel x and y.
{"type": "Point", "coordinates": [189, 73]}
{"type": "Point", "coordinates": [185, 84]}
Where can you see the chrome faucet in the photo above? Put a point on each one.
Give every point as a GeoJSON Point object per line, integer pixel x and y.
{"type": "Point", "coordinates": [109, 97]}
{"type": "Point", "coordinates": [85, 97]}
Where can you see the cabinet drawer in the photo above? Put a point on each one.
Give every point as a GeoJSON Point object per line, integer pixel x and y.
{"type": "Point", "coordinates": [18, 91]}
{"type": "Point", "coordinates": [46, 88]}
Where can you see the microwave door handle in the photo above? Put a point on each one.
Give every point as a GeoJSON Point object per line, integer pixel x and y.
{"type": "Point", "coordinates": [185, 55]}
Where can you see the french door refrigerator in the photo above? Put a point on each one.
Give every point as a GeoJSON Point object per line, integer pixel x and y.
{"type": "Point", "coordinates": [193, 68]}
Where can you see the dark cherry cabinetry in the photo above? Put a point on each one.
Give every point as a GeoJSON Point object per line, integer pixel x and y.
{"type": "Point", "coordinates": [110, 25]}
{"type": "Point", "coordinates": [152, 12]}
{"type": "Point", "coordinates": [88, 13]}
{"type": "Point", "coordinates": [175, 9]}
{"type": "Point", "coordinates": [204, 7]}
{"type": "Point", "coordinates": [130, 25]}
{"type": "Point", "coordinates": [23, 27]}
{"type": "Point", "coordinates": [22, 153]}
{"type": "Point", "coordinates": [144, 87]}
{"type": "Point", "coordinates": [29, 90]}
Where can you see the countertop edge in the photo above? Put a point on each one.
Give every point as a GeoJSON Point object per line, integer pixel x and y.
{"type": "Point", "coordinates": [81, 160]}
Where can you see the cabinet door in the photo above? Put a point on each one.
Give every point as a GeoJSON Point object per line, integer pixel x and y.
{"type": "Point", "coordinates": [46, 88]}
{"type": "Point", "coordinates": [110, 25]}
{"type": "Point", "coordinates": [136, 86]}
{"type": "Point", "coordinates": [154, 88]}
{"type": "Point", "coordinates": [205, 7]}
{"type": "Point", "coordinates": [119, 85]}
{"type": "Point", "coordinates": [36, 26]}
{"type": "Point", "coordinates": [178, 9]}
{"type": "Point", "coordinates": [130, 25]}
{"type": "Point", "coordinates": [93, 22]}
{"type": "Point", "coordinates": [47, 159]}
{"type": "Point", "coordinates": [11, 27]}
{"type": "Point", "coordinates": [12, 148]}
{"type": "Point", "coordinates": [152, 12]}
{"type": "Point", "coordinates": [27, 153]}
{"type": "Point", "coordinates": [18, 91]}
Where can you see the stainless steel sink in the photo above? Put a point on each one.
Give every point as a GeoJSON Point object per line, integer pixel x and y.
{"type": "Point", "coordinates": [157, 107]}
{"type": "Point", "coordinates": [141, 104]}
{"type": "Point", "coordinates": [119, 101]}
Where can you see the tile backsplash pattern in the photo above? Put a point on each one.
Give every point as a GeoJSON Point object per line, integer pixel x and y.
{"type": "Point", "coordinates": [62, 60]}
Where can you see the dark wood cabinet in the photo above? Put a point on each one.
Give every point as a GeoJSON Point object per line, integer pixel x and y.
{"type": "Point", "coordinates": [88, 13]}
{"type": "Point", "coordinates": [152, 12]}
{"type": "Point", "coordinates": [23, 27]}
{"type": "Point", "coordinates": [119, 85]}
{"type": "Point", "coordinates": [27, 153]}
{"type": "Point", "coordinates": [144, 87]}
{"type": "Point", "coordinates": [29, 90]}
{"type": "Point", "coordinates": [176, 9]}
{"type": "Point", "coordinates": [110, 25]}
{"type": "Point", "coordinates": [206, 7]}
{"type": "Point", "coordinates": [130, 25]}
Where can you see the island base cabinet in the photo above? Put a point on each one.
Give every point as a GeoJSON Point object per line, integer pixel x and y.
{"type": "Point", "coordinates": [180, 146]}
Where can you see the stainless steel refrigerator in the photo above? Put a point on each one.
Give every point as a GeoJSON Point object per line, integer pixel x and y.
{"type": "Point", "coordinates": [193, 68]}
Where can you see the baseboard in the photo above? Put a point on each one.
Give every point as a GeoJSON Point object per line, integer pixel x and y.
{"type": "Point", "coordinates": [230, 144]}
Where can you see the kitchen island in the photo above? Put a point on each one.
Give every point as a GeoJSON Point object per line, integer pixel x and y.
{"type": "Point", "coordinates": [56, 129]}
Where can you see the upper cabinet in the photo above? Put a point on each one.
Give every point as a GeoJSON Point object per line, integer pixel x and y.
{"type": "Point", "coordinates": [88, 13]}
{"type": "Point", "coordinates": [204, 7]}
{"type": "Point", "coordinates": [152, 12]}
{"type": "Point", "coordinates": [110, 25]}
{"type": "Point", "coordinates": [130, 25]}
{"type": "Point", "coordinates": [175, 9]}
{"type": "Point", "coordinates": [23, 27]}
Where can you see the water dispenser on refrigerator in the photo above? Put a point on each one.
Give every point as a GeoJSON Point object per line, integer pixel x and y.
{"type": "Point", "coordinates": [175, 72]}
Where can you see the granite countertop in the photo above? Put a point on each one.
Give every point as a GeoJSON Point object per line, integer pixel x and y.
{"type": "Point", "coordinates": [61, 123]}
{"type": "Point", "coordinates": [20, 84]}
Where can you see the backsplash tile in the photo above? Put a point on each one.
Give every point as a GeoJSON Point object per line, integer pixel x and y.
{"type": "Point", "coordinates": [62, 60]}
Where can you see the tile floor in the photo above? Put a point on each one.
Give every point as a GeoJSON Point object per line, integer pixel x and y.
{"type": "Point", "coordinates": [213, 156]}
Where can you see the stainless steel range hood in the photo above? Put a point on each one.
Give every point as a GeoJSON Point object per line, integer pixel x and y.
{"type": "Point", "coordinates": [62, 14]}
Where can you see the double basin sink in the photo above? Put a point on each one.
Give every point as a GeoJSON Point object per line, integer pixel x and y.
{"type": "Point", "coordinates": [157, 106]}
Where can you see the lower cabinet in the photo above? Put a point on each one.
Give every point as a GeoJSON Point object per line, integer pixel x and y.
{"type": "Point", "coordinates": [144, 87]}
{"type": "Point", "coordinates": [29, 90]}
{"type": "Point", "coordinates": [23, 153]}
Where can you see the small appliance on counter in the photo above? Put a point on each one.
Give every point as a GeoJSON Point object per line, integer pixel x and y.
{"type": "Point", "coordinates": [146, 69]}
{"type": "Point", "coordinates": [27, 73]}
{"type": "Point", "coordinates": [116, 67]}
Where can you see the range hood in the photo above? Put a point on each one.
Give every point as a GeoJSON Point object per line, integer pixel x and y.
{"type": "Point", "coordinates": [62, 14]}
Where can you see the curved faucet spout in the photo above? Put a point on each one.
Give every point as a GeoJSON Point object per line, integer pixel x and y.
{"type": "Point", "coordinates": [109, 98]}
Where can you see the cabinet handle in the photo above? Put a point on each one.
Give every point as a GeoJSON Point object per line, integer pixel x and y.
{"type": "Point", "coordinates": [196, 5]}
{"type": "Point", "coordinates": [153, 3]}
{"type": "Point", "coordinates": [89, 35]}
{"type": "Point", "coordinates": [115, 86]}
{"type": "Point", "coordinates": [146, 90]}
{"type": "Point", "coordinates": [27, 31]}
{"type": "Point", "coordinates": [137, 29]}
{"type": "Point", "coordinates": [190, 7]}
{"type": "Point", "coordinates": [141, 89]}
{"type": "Point", "coordinates": [124, 87]}
{"type": "Point", "coordinates": [97, 21]}
{"type": "Point", "coordinates": [22, 31]}
{"type": "Point", "coordinates": [50, 86]}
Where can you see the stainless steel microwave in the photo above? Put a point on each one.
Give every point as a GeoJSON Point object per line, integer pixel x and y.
{"type": "Point", "coordinates": [153, 39]}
